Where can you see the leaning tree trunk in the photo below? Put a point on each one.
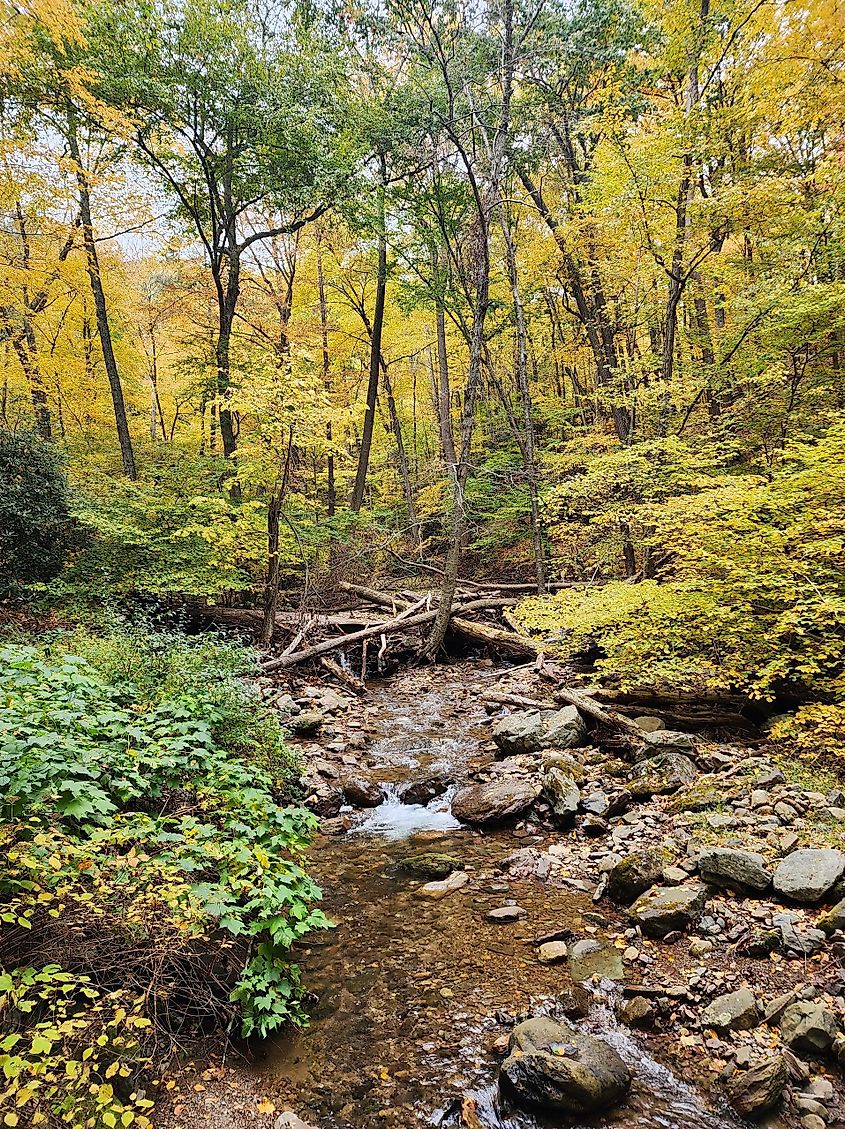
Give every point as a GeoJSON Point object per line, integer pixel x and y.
{"type": "Point", "coordinates": [100, 306]}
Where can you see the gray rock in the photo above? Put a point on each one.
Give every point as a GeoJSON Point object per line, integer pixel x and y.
{"type": "Point", "coordinates": [593, 958]}
{"type": "Point", "coordinates": [834, 918]}
{"type": "Point", "coordinates": [724, 866]}
{"type": "Point", "coordinates": [305, 723]}
{"type": "Point", "coordinates": [666, 772]}
{"type": "Point", "coordinates": [494, 802]}
{"type": "Point", "coordinates": [555, 1069]}
{"type": "Point", "coordinates": [700, 946]}
{"type": "Point", "coordinates": [429, 865]}
{"type": "Point", "coordinates": [596, 803]}
{"type": "Point", "coordinates": [532, 730]}
{"type": "Point", "coordinates": [808, 873]}
{"type": "Point", "coordinates": [664, 910]}
{"type": "Point", "coordinates": [563, 795]}
{"type": "Point", "coordinates": [667, 741]}
{"type": "Point", "coordinates": [804, 942]}
{"type": "Point", "coordinates": [289, 1120]}
{"type": "Point", "coordinates": [809, 1028]}
{"type": "Point", "coordinates": [506, 915]}
{"type": "Point", "coordinates": [636, 873]}
{"type": "Point", "coordinates": [735, 1011]}
{"type": "Point", "coordinates": [649, 724]}
{"type": "Point", "coordinates": [758, 1090]}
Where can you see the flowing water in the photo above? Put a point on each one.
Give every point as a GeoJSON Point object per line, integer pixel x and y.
{"type": "Point", "coordinates": [411, 994]}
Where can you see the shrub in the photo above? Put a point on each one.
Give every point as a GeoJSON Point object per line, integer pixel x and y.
{"type": "Point", "coordinates": [146, 861]}
{"type": "Point", "coordinates": [35, 524]}
{"type": "Point", "coordinates": [751, 595]}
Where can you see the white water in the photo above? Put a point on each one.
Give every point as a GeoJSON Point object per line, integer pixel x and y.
{"type": "Point", "coordinates": [394, 820]}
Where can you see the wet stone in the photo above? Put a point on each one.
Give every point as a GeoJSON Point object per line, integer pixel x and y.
{"type": "Point", "coordinates": [438, 890]}
{"type": "Point", "coordinates": [504, 915]}
{"type": "Point", "coordinates": [758, 1090]}
{"type": "Point", "coordinates": [590, 958]}
{"type": "Point", "coordinates": [555, 1069]}
{"type": "Point", "coordinates": [429, 865]}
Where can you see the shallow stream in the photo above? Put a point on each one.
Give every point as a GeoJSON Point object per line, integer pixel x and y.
{"type": "Point", "coordinates": [411, 994]}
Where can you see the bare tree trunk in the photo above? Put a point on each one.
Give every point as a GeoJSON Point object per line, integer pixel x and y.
{"type": "Point", "coordinates": [401, 456]}
{"type": "Point", "coordinates": [100, 305]}
{"type": "Point", "coordinates": [444, 392]}
{"type": "Point", "coordinates": [357, 499]}
{"type": "Point", "coordinates": [274, 513]}
{"type": "Point", "coordinates": [528, 443]}
{"type": "Point", "coordinates": [331, 491]}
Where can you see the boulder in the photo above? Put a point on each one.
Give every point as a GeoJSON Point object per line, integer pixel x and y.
{"type": "Point", "coordinates": [667, 741]}
{"type": "Point", "coordinates": [661, 774]}
{"type": "Point", "coordinates": [554, 1069]}
{"type": "Point", "coordinates": [532, 730]}
{"type": "Point", "coordinates": [809, 873]}
{"type": "Point", "coordinates": [735, 1011]}
{"type": "Point", "coordinates": [495, 801]}
{"type": "Point", "coordinates": [361, 792]}
{"type": "Point", "coordinates": [667, 909]}
{"type": "Point", "coordinates": [563, 795]}
{"type": "Point", "coordinates": [429, 865]}
{"type": "Point", "coordinates": [637, 1012]}
{"type": "Point", "coordinates": [724, 866]}
{"type": "Point", "coordinates": [306, 723]}
{"type": "Point", "coordinates": [423, 791]}
{"type": "Point", "coordinates": [636, 873]}
{"type": "Point", "coordinates": [759, 1089]}
{"type": "Point", "coordinates": [809, 1028]}
{"type": "Point", "coordinates": [648, 723]}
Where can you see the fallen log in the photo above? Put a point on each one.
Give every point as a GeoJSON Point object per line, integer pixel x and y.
{"type": "Point", "coordinates": [332, 644]}
{"type": "Point", "coordinates": [344, 677]}
{"type": "Point", "coordinates": [587, 705]}
{"type": "Point", "coordinates": [248, 617]}
{"type": "Point", "coordinates": [408, 618]}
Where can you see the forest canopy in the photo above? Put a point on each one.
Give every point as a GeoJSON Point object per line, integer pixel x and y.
{"type": "Point", "coordinates": [551, 289]}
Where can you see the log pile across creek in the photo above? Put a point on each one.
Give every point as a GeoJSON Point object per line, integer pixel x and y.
{"type": "Point", "coordinates": [381, 618]}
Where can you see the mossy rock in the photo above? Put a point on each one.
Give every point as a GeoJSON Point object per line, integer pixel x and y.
{"type": "Point", "coordinates": [429, 866]}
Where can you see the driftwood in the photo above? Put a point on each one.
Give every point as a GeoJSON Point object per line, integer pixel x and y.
{"type": "Point", "coordinates": [344, 677]}
{"type": "Point", "coordinates": [582, 702]}
{"type": "Point", "coordinates": [585, 704]}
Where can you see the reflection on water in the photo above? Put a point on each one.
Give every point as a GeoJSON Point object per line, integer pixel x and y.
{"type": "Point", "coordinates": [411, 994]}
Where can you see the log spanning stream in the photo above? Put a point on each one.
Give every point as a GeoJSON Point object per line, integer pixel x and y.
{"type": "Point", "coordinates": [412, 994]}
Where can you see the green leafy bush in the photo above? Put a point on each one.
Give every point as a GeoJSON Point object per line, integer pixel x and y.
{"type": "Point", "coordinates": [35, 523]}
{"type": "Point", "coordinates": [142, 849]}
{"type": "Point", "coordinates": [750, 594]}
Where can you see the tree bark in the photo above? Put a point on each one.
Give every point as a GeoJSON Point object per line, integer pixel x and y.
{"type": "Point", "coordinates": [357, 499]}
{"type": "Point", "coordinates": [528, 443]}
{"type": "Point", "coordinates": [100, 306]}
{"type": "Point", "coordinates": [331, 490]}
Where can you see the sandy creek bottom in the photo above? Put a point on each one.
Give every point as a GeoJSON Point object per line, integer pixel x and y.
{"type": "Point", "coordinates": [410, 994]}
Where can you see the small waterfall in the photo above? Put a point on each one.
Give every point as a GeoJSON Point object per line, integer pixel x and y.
{"type": "Point", "coordinates": [394, 820]}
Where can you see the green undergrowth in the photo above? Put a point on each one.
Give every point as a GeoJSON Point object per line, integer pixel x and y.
{"type": "Point", "coordinates": [152, 880]}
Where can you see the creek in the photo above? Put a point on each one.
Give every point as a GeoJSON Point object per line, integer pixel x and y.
{"type": "Point", "coordinates": [410, 994]}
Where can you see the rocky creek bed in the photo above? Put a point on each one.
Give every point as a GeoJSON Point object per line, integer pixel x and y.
{"type": "Point", "coordinates": [542, 923]}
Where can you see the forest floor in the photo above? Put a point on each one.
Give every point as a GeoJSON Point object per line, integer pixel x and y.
{"type": "Point", "coordinates": [414, 992]}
